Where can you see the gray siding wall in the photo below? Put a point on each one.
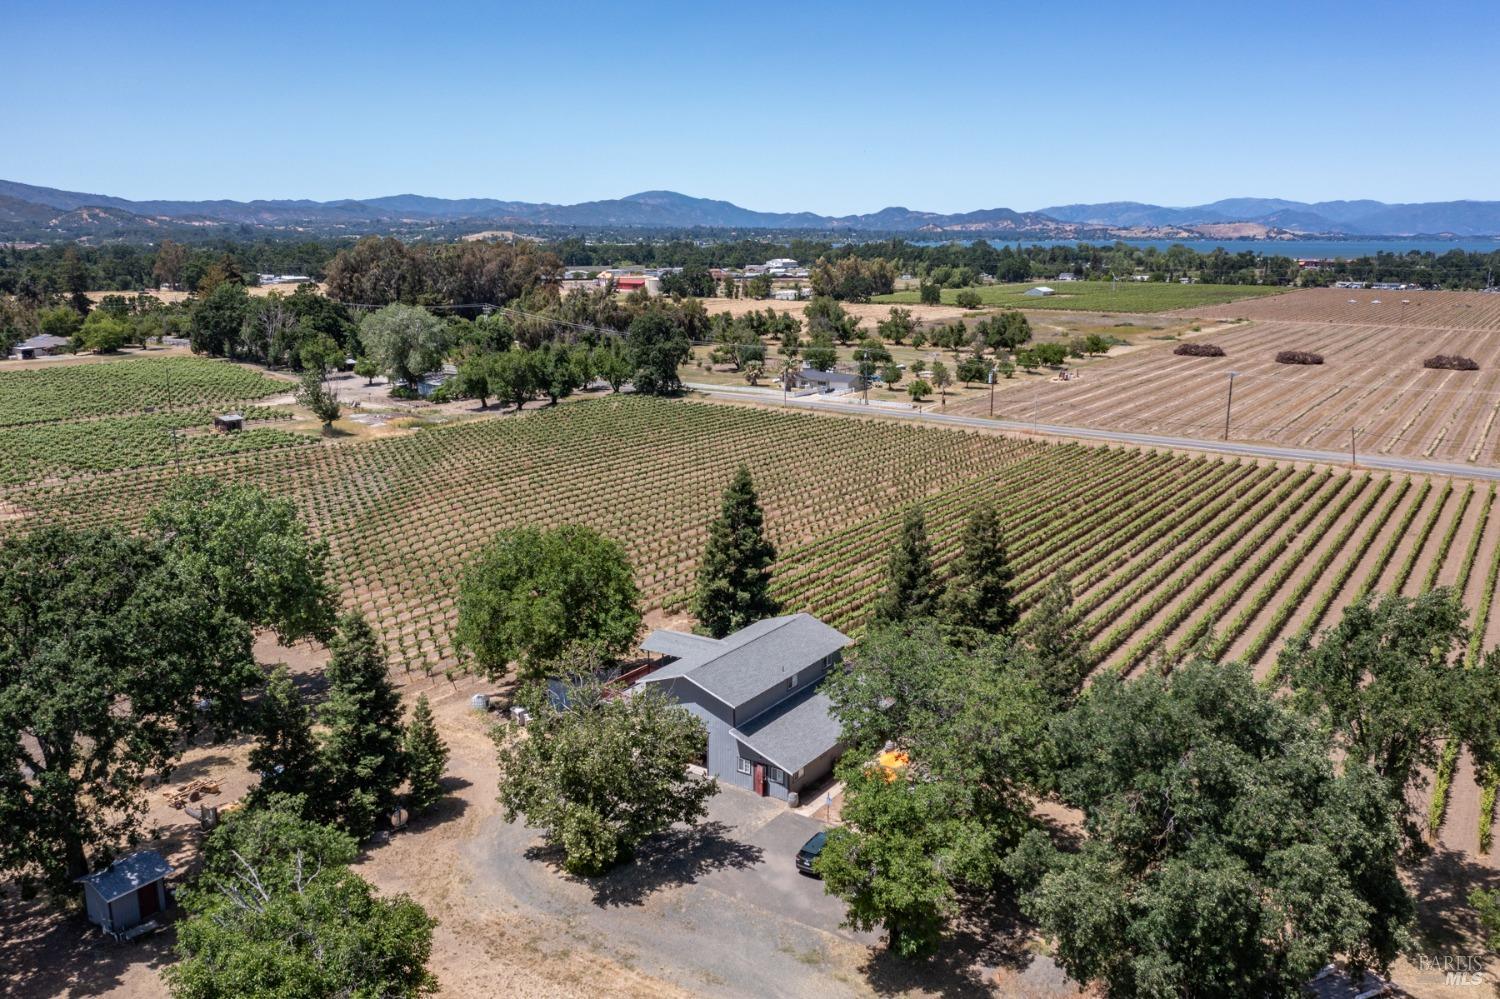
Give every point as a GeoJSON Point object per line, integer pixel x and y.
{"type": "Point", "coordinates": [807, 676]}
{"type": "Point", "coordinates": [747, 781]}
{"type": "Point", "coordinates": [817, 769]}
{"type": "Point", "coordinates": [723, 758]}
{"type": "Point", "coordinates": [125, 912]}
{"type": "Point", "coordinates": [98, 910]}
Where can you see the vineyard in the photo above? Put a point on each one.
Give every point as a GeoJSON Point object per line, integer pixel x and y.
{"type": "Point", "coordinates": [1371, 391]}
{"type": "Point", "coordinates": [43, 450]}
{"type": "Point", "coordinates": [138, 385]}
{"type": "Point", "coordinates": [1165, 551]}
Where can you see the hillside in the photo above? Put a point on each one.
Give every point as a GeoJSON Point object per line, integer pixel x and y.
{"type": "Point", "coordinates": [29, 212]}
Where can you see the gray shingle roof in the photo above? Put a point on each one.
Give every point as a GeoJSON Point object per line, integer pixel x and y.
{"type": "Point", "coordinates": [795, 732]}
{"type": "Point", "coordinates": [43, 341]}
{"type": "Point", "coordinates": [765, 654]}
{"type": "Point", "coordinates": [756, 658]}
{"type": "Point", "coordinates": [829, 377]}
{"type": "Point", "coordinates": [679, 644]}
{"type": "Point", "coordinates": [127, 875]}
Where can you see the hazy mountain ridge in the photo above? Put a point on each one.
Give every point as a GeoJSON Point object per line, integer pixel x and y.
{"type": "Point", "coordinates": [29, 211]}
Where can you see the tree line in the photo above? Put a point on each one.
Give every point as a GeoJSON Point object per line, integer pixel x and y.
{"type": "Point", "coordinates": [38, 274]}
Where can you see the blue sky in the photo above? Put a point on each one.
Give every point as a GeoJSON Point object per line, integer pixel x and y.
{"type": "Point", "coordinates": [834, 108]}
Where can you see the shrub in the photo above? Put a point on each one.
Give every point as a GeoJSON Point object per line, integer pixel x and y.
{"type": "Point", "coordinates": [1298, 357]}
{"type": "Point", "coordinates": [1198, 350]}
{"type": "Point", "coordinates": [1451, 362]}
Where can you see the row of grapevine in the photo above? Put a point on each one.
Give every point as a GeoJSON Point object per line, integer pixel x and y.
{"type": "Point", "coordinates": [135, 385]}
{"type": "Point", "coordinates": [1299, 593]}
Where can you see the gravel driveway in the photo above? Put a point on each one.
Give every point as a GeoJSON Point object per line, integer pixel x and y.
{"type": "Point", "coordinates": [718, 909]}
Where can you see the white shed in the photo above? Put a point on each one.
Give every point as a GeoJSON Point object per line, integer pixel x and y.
{"type": "Point", "coordinates": [1041, 291]}
{"type": "Point", "coordinates": [127, 894]}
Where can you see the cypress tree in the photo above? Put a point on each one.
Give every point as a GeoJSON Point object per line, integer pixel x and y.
{"type": "Point", "coordinates": [1051, 631]}
{"type": "Point", "coordinates": [978, 600]}
{"type": "Point", "coordinates": [362, 752]}
{"type": "Point", "coordinates": [734, 579]}
{"type": "Point", "coordinates": [910, 591]}
{"type": "Point", "coordinates": [426, 758]}
{"type": "Point", "coordinates": [285, 752]}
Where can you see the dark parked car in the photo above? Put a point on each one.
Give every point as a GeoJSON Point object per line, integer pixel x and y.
{"type": "Point", "coordinates": [809, 853]}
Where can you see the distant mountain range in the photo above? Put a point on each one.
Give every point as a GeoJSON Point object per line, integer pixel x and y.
{"type": "Point", "coordinates": [42, 214]}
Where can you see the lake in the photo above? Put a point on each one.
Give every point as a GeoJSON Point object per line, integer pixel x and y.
{"type": "Point", "coordinates": [1297, 248]}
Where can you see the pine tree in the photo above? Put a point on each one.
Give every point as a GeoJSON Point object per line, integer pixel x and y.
{"type": "Point", "coordinates": [285, 753]}
{"type": "Point", "coordinates": [1051, 630]}
{"type": "Point", "coordinates": [734, 580]}
{"type": "Point", "coordinates": [910, 591]}
{"type": "Point", "coordinates": [426, 758]}
{"type": "Point", "coordinates": [978, 600]}
{"type": "Point", "coordinates": [362, 751]}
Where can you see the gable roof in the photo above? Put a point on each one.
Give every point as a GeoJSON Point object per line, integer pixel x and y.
{"type": "Point", "coordinates": [43, 341]}
{"type": "Point", "coordinates": [795, 732]}
{"type": "Point", "coordinates": [738, 667]}
{"type": "Point", "coordinates": [127, 875]}
{"type": "Point", "coordinates": [678, 643]}
{"type": "Point", "coordinates": [828, 377]}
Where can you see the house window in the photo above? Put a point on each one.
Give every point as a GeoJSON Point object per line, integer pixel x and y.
{"type": "Point", "coordinates": [775, 776]}
{"type": "Point", "coordinates": [744, 765]}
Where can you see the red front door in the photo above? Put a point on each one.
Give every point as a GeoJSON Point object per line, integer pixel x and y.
{"type": "Point", "coordinates": [760, 779]}
{"type": "Point", "coordinates": [149, 901]}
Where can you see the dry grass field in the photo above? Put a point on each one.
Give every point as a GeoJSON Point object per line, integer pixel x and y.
{"type": "Point", "coordinates": [1372, 391]}
{"type": "Point", "coordinates": [171, 297]}
{"type": "Point", "coordinates": [869, 312]}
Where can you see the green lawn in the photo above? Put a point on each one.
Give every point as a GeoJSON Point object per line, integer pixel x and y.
{"type": "Point", "coordinates": [1098, 296]}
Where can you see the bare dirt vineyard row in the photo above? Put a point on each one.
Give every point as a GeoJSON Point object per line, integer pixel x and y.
{"type": "Point", "coordinates": [1363, 306]}
{"type": "Point", "coordinates": [1165, 551]}
{"type": "Point", "coordinates": [1372, 392]}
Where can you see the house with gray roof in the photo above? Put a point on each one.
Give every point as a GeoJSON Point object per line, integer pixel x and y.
{"type": "Point", "coordinates": [42, 345]}
{"type": "Point", "coordinates": [826, 381]}
{"type": "Point", "coordinates": [770, 730]}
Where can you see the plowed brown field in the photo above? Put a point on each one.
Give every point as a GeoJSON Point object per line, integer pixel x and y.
{"type": "Point", "coordinates": [1371, 391]}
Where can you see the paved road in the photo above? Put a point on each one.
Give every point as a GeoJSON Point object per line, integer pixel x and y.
{"type": "Point", "coordinates": [1397, 464]}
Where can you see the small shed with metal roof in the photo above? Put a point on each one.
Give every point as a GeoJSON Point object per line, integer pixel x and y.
{"type": "Point", "coordinates": [125, 897]}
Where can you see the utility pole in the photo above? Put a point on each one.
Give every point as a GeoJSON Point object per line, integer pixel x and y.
{"type": "Point", "coordinates": [1229, 404]}
{"type": "Point", "coordinates": [992, 393]}
{"type": "Point", "coordinates": [1353, 458]}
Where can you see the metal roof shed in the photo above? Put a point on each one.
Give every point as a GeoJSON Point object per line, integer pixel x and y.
{"type": "Point", "coordinates": [126, 895]}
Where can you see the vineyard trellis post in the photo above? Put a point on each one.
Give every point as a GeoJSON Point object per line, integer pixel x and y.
{"type": "Point", "coordinates": [1229, 404]}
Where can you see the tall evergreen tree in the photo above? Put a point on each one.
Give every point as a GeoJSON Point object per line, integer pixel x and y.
{"type": "Point", "coordinates": [1062, 652]}
{"type": "Point", "coordinates": [362, 752]}
{"type": "Point", "coordinates": [978, 600]}
{"type": "Point", "coordinates": [734, 580]}
{"type": "Point", "coordinates": [426, 758]}
{"type": "Point", "coordinates": [910, 590]}
{"type": "Point", "coordinates": [286, 752]}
